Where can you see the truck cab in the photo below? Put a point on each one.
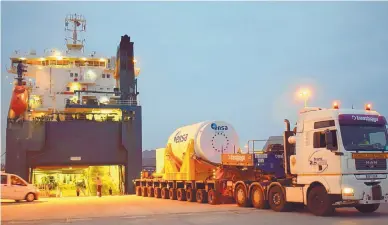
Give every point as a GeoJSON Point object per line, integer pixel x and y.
{"type": "Point", "coordinates": [338, 155]}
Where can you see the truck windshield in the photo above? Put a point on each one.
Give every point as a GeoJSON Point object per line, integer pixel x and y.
{"type": "Point", "coordinates": [364, 137]}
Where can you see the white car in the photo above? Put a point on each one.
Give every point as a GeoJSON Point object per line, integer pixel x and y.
{"type": "Point", "coordinates": [16, 188]}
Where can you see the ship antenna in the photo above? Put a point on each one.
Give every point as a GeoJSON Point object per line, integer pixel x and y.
{"type": "Point", "coordinates": [75, 23]}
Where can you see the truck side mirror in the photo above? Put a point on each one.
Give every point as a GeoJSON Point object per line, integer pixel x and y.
{"type": "Point", "coordinates": [330, 142]}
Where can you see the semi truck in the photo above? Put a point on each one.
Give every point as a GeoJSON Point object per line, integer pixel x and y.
{"type": "Point", "coordinates": [332, 158]}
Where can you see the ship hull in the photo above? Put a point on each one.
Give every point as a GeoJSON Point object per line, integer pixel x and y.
{"type": "Point", "coordinates": [30, 145]}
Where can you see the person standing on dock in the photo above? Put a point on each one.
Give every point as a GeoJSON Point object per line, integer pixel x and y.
{"type": "Point", "coordinates": [99, 186]}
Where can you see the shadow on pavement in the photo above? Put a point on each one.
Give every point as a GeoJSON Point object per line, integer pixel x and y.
{"type": "Point", "coordinates": [22, 202]}
{"type": "Point", "coordinates": [343, 213]}
{"type": "Point", "coordinates": [354, 214]}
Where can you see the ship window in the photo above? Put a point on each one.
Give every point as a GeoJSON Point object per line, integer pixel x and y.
{"type": "Point", "coordinates": [108, 89]}
{"type": "Point", "coordinates": [108, 76]}
{"type": "Point", "coordinates": [71, 74]}
{"type": "Point", "coordinates": [75, 74]}
{"type": "Point", "coordinates": [103, 75]}
{"type": "Point", "coordinates": [101, 88]}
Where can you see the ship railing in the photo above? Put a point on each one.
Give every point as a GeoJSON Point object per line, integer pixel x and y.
{"type": "Point", "coordinates": [125, 102]}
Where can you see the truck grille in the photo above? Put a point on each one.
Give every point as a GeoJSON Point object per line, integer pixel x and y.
{"type": "Point", "coordinates": [371, 164]}
{"type": "Point", "coordinates": [376, 192]}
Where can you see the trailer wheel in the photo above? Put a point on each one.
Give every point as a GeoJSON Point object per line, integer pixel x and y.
{"type": "Point", "coordinates": [164, 193]}
{"type": "Point", "coordinates": [201, 196]}
{"type": "Point", "coordinates": [277, 200]}
{"type": "Point", "coordinates": [150, 192]}
{"type": "Point", "coordinates": [257, 198]}
{"type": "Point", "coordinates": [370, 208]}
{"type": "Point", "coordinates": [213, 197]}
{"type": "Point", "coordinates": [138, 191]}
{"type": "Point", "coordinates": [241, 196]}
{"type": "Point", "coordinates": [190, 195]}
{"type": "Point", "coordinates": [157, 192]}
{"type": "Point", "coordinates": [172, 194]}
{"type": "Point", "coordinates": [318, 202]}
{"type": "Point", "coordinates": [180, 194]}
{"type": "Point", "coordinates": [144, 191]}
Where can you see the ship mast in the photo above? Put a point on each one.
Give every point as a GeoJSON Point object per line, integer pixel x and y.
{"type": "Point", "coordinates": [74, 24]}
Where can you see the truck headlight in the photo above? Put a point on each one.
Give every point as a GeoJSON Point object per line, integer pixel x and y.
{"type": "Point", "coordinates": [348, 191]}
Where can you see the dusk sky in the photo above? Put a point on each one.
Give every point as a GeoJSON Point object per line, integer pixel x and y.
{"type": "Point", "coordinates": [241, 62]}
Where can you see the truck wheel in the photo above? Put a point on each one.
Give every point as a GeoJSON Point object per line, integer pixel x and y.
{"type": "Point", "coordinates": [318, 202]}
{"type": "Point", "coordinates": [164, 193]}
{"type": "Point", "coordinates": [180, 194]}
{"type": "Point", "coordinates": [138, 191]}
{"type": "Point", "coordinates": [257, 198]}
{"type": "Point", "coordinates": [144, 191]}
{"type": "Point", "coordinates": [190, 195]}
{"type": "Point", "coordinates": [172, 194]}
{"type": "Point", "coordinates": [157, 192]}
{"type": "Point", "coordinates": [30, 197]}
{"type": "Point", "coordinates": [277, 200]}
{"type": "Point", "coordinates": [370, 208]}
{"type": "Point", "coordinates": [241, 196]}
{"type": "Point", "coordinates": [201, 196]}
{"type": "Point", "coordinates": [150, 192]}
{"type": "Point", "coordinates": [213, 197]}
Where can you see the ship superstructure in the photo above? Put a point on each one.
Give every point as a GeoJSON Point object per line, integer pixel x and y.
{"type": "Point", "coordinates": [75, 116]}
{"type": "Point", "coordinates": [57, 79]}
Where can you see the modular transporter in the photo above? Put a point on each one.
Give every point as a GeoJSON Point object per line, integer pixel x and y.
{"type": "Point", "coordinates": [332, 158]}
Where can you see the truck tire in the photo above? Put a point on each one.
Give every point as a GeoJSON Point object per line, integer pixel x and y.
{"type": "Point", "coordinates": [157, 192]}
{"type": "Point", "coordinates": [144, 191]}
{"type": "Point", "coordinates": [181, 194]}
{"type": "Point", "coordinates": [164, 193]}
{"type": "Point", "coordinates": [172, 193]}
{"type": "Point", "coordinates": [277, 200]}
{"type": "Point", "coordinates": [138, 191]}
{"type": "Point", "coordinates": [201, 196]}
{"type": "Point", "coordinates": [370, 208]}
{"type": "Point", "coordinates": [190, 195]}
{"type": "Point", "coordinates": [150, 192]}
{"type": "Point", "coordinates": [318, 202]}
{"type": "Point", "coordinates": [213, 197]}
{"type": "Point", "coordinates": [241, 196]}
{"type": "Point", "coordinates": [257, 198]}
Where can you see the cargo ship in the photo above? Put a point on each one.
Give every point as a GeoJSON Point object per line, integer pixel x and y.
{"type": "Point", "coordinates": [75, 117]}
